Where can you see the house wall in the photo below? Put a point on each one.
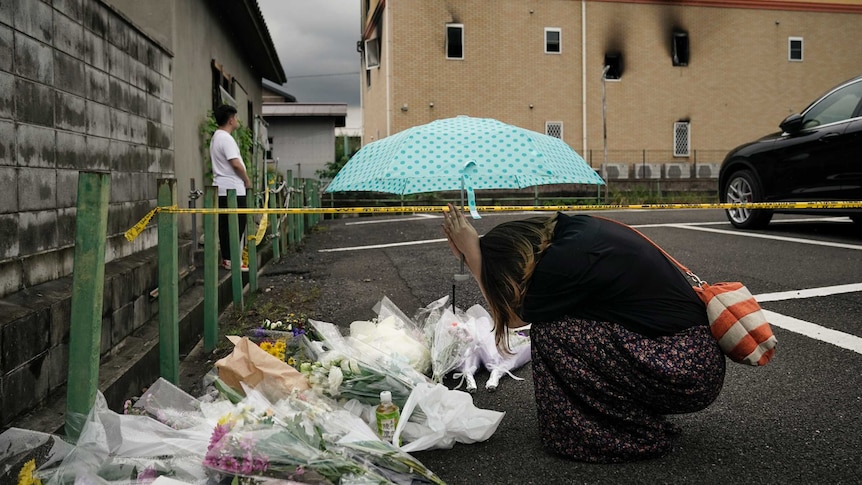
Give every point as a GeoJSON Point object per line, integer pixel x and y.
{"type": "Point", "coordinates": [303, 145]}
{"type": "Point", "coordinates": [80, 89]}
{"type": "Point", "coordinates": [738, 85]}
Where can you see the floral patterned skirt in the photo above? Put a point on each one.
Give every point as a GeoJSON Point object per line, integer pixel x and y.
{"type": "Point", "coordinates": [602, 390]}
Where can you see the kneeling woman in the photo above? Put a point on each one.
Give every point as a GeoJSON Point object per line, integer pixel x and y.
{"type": "Point", "coordinates": [619, 337]}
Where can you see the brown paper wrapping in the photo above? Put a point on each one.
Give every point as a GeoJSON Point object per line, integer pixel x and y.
{"type": "Point", "coordinates": [251, 364]}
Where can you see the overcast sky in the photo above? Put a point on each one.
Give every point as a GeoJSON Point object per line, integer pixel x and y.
{"type": "Point", "coordinates": [316, 44]}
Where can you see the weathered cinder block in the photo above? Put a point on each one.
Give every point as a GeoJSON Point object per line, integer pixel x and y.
{"type": "Point", "coordinates": [166, 161]}
{"type": "Point", "coordinates": [34, 103]}
{"type": "Point", "coordinates": [167, 65]}
{"type": "Point", "coordinates": [72, 9]}
{"type": "Point", "coordinates": [105, 341]}
{"type": "Point", "coordinates": [118, 63]}
{"type": "Point", "coordinates": [70, 112]}
{"type": "Point", "coordinates": [8, 240]}
{"type": "Point", "coordinates": [118, 32]}
{"type": "Point", "coordinates": [68, 35]}
{"type": "Point", "coordinates": [11, 271]}
{"type": "Point", "coordinates": [137, 74]}
{"type": "Point", "coordinates": [67, 194]}
{"type": "Point", "coordinates": [6, 48]}
{"type": "Point", "coordinates": [66, 227]}
{"type": "Point", "coordinates": [42, 267]}
{"type": "Point", "coordinates": [137, 101]}
{"type": "Point", "coordinates": [119, 155]}
{"type": "Point", "coordinates": [95, 16]}
{"type": "Point", "coordinates": [154, 83]}
{"type": "Point", "coordinates": [138, 158]}
{"type": "Point", "coordinates": [61, 311]}
{"type": "Point", "coordinates": [119, 92]}
{"type": "Point", "coordinates": [56, 367]}
{"type": "Point", "coordinates": [159, 135]}
{"type": "Point", "coordinates": [34, 19]}
{"type": "Point", "coordinates": [154, 109]}
{"type": "Point", "coordinates": [121, 186]}
{"type": "Point", "coordinates": [8, 157]}
{"type": "Point", "coordinates": [119, 125]}
{"type": "Point", "coordinates": [37, 189]}
{"type": "Point", "coordinates": [22, 390]}
{"type": "Point", "coordinates": [167, 91]}
{"type": "Point", "coordinates": [98, 119]}
{"type": "Point", "coordinates": [70, 74]}
{"type": "Point", "coordinates": [98, 86]}
{"type": "Point", "coordinates": [167, 114]}
{"type": "Point", "coordinates": [9, 193]}
{"type": "Point", "coordinates": [71, 150]}
{"type": "Point", "coordinates": [29, 333]}
{"type": "Point", "coordinates": [6, 13]}
{"type": "Point", "coordinates": [36, 146]}
{"type": "Point", "coordinates": [98, 153]}
{"type": "Point", "coordinates": [33, 59]}
{"type": "Point", "coordinates": [37, 231]}
{"type": "Point", "coordinates": [95, 50]}
{"type": "Point", "coordinates": [122, 323]}
{"type": "Point", "coordinates": [138, 130]}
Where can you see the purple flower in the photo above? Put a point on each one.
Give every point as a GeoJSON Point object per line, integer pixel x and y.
{"type": "Point", "coordinates": [229, 464]}
{"type": "Point", "coordinates": [219, 433]}
{"type": "Point", "coordinates": [148, 473]}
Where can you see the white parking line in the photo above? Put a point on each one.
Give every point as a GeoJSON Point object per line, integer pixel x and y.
{"type": "Point", "coordinates": [381, 246]}
{"type": "Point", "coordinates": [810, 292]}
{"type": "Point", "coordinates": [766, 236]}
{"type": "Point", "coordinates": [413, 218]}
{"type": "Point", "coordinates": [817, 332]}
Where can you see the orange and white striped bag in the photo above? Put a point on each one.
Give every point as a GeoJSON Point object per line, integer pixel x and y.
{"type": "Point", "coordinates": [737, 322]}
{"type": "Point", "coordinates": [735, 318]}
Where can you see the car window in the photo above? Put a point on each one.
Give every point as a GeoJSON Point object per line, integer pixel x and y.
{"type": "Point", "coordinates": [837, 106]}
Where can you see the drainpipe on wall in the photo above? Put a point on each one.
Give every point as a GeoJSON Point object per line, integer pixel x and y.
{"type": "Point", "coordinates": [584, 73]}
{"type": "Point", "coordinates": [388, 29]}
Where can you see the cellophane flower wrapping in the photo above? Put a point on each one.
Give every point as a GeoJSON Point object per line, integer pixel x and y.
{"type": "Point", "coordinates": [496, 362]}
{"type": "Point", "coordinates": [283, 339]}
{"type": "Point", "coordinates": [454, 337]}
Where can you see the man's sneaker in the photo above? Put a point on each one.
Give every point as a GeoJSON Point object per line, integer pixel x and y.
{"type": "Point", "coordinates": [225, 263]}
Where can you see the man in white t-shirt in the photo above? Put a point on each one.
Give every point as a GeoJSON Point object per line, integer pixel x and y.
{"type": "Point", "coordinates": [228, 173]}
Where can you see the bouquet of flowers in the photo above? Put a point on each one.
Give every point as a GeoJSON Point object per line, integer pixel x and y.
{"type": "Point", "coordinates": [453, 339]}
{"type": "Point", "coordinates": [486, 352]}
{"type": "Point", "coordinates": [283, 338]}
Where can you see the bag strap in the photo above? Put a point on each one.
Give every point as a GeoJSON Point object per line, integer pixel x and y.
{"type": "Point", "coordinates": [679, 265]}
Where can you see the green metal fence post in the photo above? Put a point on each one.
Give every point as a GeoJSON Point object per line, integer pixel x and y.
{"type": "Point", "coordinates": [251, 244]}
{"type": "Point", "coordinates": [210, 270]}
{"type": "Point", "coordinates": [169, 332]}
{"type": "Point", "coordinates": [292, 218]}
{"type": "Point", "coordinates": [88, 286]}
{"type": "Point", "coordinates": [235, 251]}
{"type": "Point", "coordinates": [273, 230]}
{"type": "Point", "coordinates": [300, 220]}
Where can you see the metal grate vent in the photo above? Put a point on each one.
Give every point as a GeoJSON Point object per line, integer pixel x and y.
{"type": "Point", "coordinates": [554, 128]}
{"type": "Point", "coordinates": [681, 139]}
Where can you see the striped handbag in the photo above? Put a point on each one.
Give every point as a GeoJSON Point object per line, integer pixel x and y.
{"type": "Point", "coordinates": [735, 318]}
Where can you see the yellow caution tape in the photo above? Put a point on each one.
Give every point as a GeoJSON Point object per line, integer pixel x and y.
{"type": "Point", "coordinates": [261, 230]}
{"type": "Point", "coordinates": [134, 231]}
{"type": "Point", "coordinates": [138, 228]}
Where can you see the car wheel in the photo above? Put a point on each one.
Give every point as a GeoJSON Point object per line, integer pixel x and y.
{"type": "Point", "coordinates": [856, 220]}
{"type": "Point", "coordinates": [743, 186]}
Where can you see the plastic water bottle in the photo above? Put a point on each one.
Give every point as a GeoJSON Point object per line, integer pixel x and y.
{"type": "Point", "coordinates": [387, 417]}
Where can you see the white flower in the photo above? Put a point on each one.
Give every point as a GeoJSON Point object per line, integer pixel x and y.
{"type": "Point", "coordinates": [345, 366]}
{"type": "Point", "coordinates": [335, 379]}
{"type": "Point", "coordinates": [354, 367]}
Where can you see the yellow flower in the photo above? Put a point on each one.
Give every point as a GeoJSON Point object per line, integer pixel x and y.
{"type": "Point", "coordinates": [25, 476]}
{"type": "Point", "coordinates": [291, 361]}
{"type": "Point", "coordinates": [280, 345]}
{"type": "Point", "coordinates": [227, 418]}
{"type": "Point", "coordinates": [266, 345]}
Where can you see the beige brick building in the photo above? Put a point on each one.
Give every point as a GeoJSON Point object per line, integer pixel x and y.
{"type": "Point", "coordinates": [698, 77]}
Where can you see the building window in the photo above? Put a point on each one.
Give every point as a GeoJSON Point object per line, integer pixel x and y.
{"type": "Point", "coordinates": [224, 86]}
{"type": "Point", "coordinates": [614, 62]}
{"type": "Point", "coordinates": [679, 48]}
{"type": "Point", "coordinates": [553, 42]}
{"type": "Point", "coordinates": [794, 49]}
{"type": "Point", "coordinates": [454, 41]}
{"type": "Point", "coordinates": [554, 128]}
{"type": "Point", "coordinates": [372, 53]}
{"type": "Point", "coordinates": [681, 139]}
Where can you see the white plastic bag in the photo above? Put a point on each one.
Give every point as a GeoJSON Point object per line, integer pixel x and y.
{"type": "Point", "coordinates": [450, 417]}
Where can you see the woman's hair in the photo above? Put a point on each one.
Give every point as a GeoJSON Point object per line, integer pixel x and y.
{"type": "Point", "coordinates": [510, 252]}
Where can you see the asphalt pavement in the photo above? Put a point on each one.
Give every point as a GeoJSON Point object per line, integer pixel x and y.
{"type": "Point", "coordinates": [796, 420]}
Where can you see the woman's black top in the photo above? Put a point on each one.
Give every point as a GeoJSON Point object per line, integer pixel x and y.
{"type": "Point", "coordinates": [599, 270]}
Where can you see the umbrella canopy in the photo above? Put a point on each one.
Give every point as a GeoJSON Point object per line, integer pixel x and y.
{"type": "Point", "coordinates": [462, 152]}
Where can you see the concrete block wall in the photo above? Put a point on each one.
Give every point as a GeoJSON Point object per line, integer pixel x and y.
{"type": "Point", "coordinates": [80, 89]}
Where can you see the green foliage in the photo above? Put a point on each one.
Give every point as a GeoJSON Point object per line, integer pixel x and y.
{"type": "Point", "coordinates": [331, 169]}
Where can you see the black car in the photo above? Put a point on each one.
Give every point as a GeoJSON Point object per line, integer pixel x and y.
{"type": "Point", "coordinates": [816, 156]}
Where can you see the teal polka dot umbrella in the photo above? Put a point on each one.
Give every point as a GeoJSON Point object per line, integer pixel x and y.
{"type": "Point", "coordinates": [462, 153]}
